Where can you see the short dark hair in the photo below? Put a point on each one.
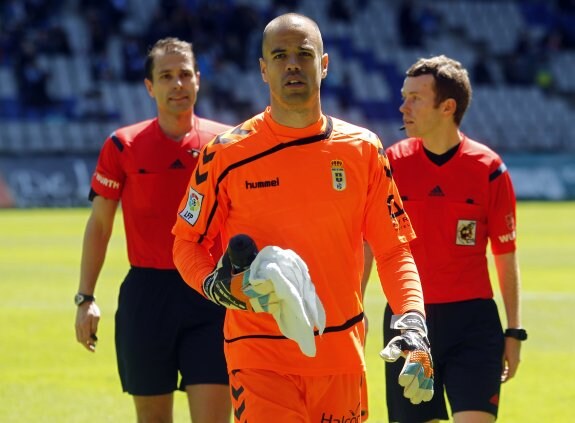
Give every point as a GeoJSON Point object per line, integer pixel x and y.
{"type": "Point", "coordinates": [166, 46]}
{"type": "Point", "coordinates": [451, 81]}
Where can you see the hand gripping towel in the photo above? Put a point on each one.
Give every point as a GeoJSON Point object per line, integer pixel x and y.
{"type": "Point", "coordinates": [293, 301]}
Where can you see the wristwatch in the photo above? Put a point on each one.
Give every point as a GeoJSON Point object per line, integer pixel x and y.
{"type": "Point", "coordinates": [519, 334]}
{"type": "Point", "coordinates": [80, 298]}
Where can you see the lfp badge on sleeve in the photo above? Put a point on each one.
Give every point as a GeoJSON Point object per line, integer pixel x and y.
{"type": "Point", "coordinates": [193, 206]}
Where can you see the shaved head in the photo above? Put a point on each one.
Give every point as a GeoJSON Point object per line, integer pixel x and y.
{"type": "Point", "coordinates": [295, 22]}
{"type": "Point", "coordinates": [293, 64]}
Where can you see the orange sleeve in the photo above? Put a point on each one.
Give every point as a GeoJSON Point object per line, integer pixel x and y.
{"type": "Point", "coordinates": [193, 261]}
{"type": "Point", "coordinates": [388, 231]}
{"type": "Point", "coordinates": [400, 280]}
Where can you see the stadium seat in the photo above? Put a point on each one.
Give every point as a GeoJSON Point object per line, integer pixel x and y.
{"type": "Point", "coordinates": [367, 64]}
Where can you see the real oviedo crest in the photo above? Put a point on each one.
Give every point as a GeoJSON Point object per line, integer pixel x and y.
{"type": "Point", "coordinates": [338, 175]}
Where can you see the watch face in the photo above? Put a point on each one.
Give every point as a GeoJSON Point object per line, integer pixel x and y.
{"type": "Point", "coordinates": [80, 299]}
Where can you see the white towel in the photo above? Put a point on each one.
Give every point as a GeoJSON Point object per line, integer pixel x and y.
{"type": "Point", "coordinates": [298, 309]}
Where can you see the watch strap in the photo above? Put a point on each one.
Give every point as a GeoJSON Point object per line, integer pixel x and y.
{"type": "Point", "coordinates": [80, 298]}
{"type": "Point", "coordinates": [519, 334]}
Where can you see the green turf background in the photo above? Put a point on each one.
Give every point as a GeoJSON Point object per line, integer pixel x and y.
{"type": "Point", "coordinates": [45, 376]}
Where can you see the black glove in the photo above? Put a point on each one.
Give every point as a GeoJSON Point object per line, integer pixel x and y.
{"type": "Point", "coordinates": [229, 284]}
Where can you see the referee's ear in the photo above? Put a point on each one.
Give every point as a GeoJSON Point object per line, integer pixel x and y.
{"type": "Point", "coordinates": [448, 107]}
{"type": "Point", "coordinates": [149, 87]}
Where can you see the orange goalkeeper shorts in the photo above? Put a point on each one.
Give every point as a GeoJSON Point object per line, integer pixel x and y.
{"type": "Point", "coordinates": [364, 406]}
{"type": "Point", "coordinates": [264, 396]}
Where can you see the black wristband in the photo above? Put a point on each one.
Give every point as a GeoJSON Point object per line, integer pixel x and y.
{"type": "Point", "coordinates": [519, 334]}
{"type": "Point", "coordinates": [80, 298]}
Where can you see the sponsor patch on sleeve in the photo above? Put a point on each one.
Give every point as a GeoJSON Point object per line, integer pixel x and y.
{"type": "Point", "coordinates": [107, 182]}
{"type": "Point", "coordinates": [191, 212]}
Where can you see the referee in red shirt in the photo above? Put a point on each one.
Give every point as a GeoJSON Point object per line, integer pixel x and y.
{"type": "Point", "coordinates": [460, 198]}
{"type": "Point", "coordinates": [168, 336]}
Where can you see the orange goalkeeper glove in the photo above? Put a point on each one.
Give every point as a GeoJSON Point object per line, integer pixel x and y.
{"type": "Point", "coordinates": [417, 374]}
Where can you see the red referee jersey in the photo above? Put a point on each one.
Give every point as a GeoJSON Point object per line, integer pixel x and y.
{"type": "Point", "coordinates": [455, 210]}
{"type": "Point", "coordinates": [148, 172]}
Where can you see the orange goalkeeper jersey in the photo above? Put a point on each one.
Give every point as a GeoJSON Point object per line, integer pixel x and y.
{"type": "Point", "coordinates": [318, 191]}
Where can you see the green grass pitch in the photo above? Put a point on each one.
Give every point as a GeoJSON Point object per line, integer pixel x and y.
{"type": "Point", "coordinates": [45, 376]}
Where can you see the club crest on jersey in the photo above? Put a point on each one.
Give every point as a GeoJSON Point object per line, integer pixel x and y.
{"type": "Point", "coordinates": [193, 206]}
{"type": "Point", "coordinates": [338, 175]}
{"type": "Point", "coordinates": [466, 231]}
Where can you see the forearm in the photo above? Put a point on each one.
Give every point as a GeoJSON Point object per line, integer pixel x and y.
{"type": "Point", "coordinates": [400, 280]}
{"type": "Point", "coordinates": [95, 245]}
{"type": "Point", "coordinates": [509, 283]}
{"type": "Point", "coordinates": [193, 261]}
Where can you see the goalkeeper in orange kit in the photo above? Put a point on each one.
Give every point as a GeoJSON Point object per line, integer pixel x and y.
{"type": "Point", "coordinates": [302, 182]}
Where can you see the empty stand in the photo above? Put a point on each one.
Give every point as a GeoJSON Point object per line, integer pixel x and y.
{"type": "Point", "coordinates": [367, 64]}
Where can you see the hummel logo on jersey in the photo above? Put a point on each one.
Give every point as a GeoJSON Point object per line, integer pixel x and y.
{"type": "Point", "coordinates": [177, 165]}
{"type": "Point", "coordinates": [436, 192]}
{"type": "Point", "coordinates": [263, 184]}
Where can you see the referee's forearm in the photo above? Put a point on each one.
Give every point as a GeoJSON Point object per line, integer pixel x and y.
{"type": "Point", "coordinates": [94, 248]}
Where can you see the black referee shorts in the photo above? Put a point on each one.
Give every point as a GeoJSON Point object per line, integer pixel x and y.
{"type": "Point", "coordinates": [167, 335]}
{"type": "Point", "coordinates": [467, 346]}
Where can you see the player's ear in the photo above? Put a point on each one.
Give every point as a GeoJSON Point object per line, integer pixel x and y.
{"type": "Point", "coordinates": [324, 64]}
{"type": "Point", "coordinates": [149, 87]}
{"type": "Point", "coordinates": [263, 70]}
{"type": "Point", "coordinates": [449, 106]}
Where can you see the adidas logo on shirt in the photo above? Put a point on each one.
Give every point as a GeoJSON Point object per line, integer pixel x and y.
{"type": "Point", "coordinates": [436, 192]}
{"type": "Point", "coordinates": [177, 165]}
